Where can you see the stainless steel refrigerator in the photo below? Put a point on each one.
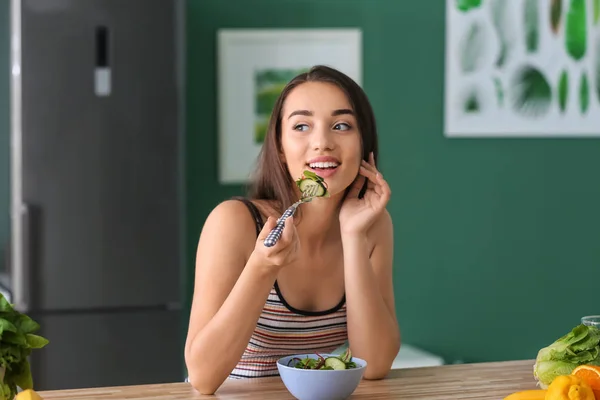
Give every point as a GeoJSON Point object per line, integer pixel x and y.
{"type": "Point", "coordinates": [96, 186]}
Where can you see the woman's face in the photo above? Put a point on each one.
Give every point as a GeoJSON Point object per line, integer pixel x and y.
{"type": "Point", "coordinates": [319, 133]}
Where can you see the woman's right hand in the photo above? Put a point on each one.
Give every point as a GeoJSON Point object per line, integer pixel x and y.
{"type": "Point", "coordinates": [284, 252]}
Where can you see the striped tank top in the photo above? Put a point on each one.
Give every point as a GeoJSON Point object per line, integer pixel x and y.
{"type": "Point", "coordinates": [283, 330]}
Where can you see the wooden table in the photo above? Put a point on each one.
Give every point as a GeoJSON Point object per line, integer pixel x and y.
{"type": "Point", "coordinates": [491, 381]}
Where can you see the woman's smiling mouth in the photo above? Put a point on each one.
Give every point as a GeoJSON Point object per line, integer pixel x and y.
{"type": "Point", "coordinates": [323, 166]}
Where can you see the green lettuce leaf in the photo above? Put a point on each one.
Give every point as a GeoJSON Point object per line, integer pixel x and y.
{"type": "Point", "coordinates": [592, 340]}
{"type": "Point", "coordinates": [546, 371]}
{"type": "Point", "coordinates": [580, 346]}
{"type": "Point", "coordinates": [17, 340]}
{"type": "Point", "coordinates": [21, 376]}
{"type": "Point", "coordinates": [35, 341]}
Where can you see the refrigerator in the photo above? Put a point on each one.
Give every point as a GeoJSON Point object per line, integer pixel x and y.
{"type": "Point", "coordinates": [96, 188]}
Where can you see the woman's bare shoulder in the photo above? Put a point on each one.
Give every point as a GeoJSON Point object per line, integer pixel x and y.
{"type": "Point", "coordinates": [231, 210]}
{"type": "Point", "coordinates": [231, 221]}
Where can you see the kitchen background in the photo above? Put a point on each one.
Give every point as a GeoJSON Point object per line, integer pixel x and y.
{"type": "Point", "coordinates": [497, 240]}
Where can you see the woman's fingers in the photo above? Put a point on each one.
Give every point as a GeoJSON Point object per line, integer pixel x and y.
{"type": "Point", "coordinates": [288, 232]}
{"type": "Point", "coordinates": [386, 192]}
{"type": "Point", "coordinates": [368, 173]}
{"type": "Point", "coordinates": [267, 228]}
{"type": "Point", "coordinates": [356, 186]}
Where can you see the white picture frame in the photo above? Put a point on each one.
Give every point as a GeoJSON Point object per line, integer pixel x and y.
{"type": "Point", "coordinates": [510, 73]}
{"type": "Point", "coordinates": [252, 64]}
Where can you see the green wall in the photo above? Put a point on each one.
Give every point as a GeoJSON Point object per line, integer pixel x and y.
{"type": "Point", "coordinates": [4, 128]}
{"type": "Point", "coordinates": [497, 240]}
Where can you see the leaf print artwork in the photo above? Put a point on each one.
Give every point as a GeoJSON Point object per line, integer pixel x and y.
{"type": "Point", "coordinates": [597, 68]}
{"type": "Point", "coordinates": [576, 30]}
{"type": "Point", "coordinates": [472, 48]}
{"type": "Point", "coordinates": [563, 91]}
{"type": "Point", "coordinates": [504, 30]}
{"type": "Point", "coordinates": [584, 93]}
{"type": "Point", "coordinates": [531, 21]}
{"type": "Point", "coordinates": [522, 68]}
{"type": "Point", "coordinates": [555, 14]}
{"type": "Point", "coordinates": [472, 103]}
{"type": "Point", "coordinates": [499, 91]}
{"type": "Point", "coordinates": [466, 5]}
{"type": "Point", "coordinates": [531, 93]}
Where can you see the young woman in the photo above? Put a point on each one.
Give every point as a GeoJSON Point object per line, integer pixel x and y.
{"type": "Point", "coordinates": [329, 278]}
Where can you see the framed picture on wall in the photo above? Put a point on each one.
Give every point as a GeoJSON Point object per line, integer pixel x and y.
{"type": "Point", "coordinates": [528, 68]}
{"type": "Point", "coordinates": [253, 67]}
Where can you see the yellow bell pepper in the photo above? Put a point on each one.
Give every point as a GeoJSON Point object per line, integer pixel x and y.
{"type": "Point", "coordinates": [534, 394]}
{"type": "Point", "coordinates": [569, 387]}
{"type": "Point", "coordinates": [28, 394]}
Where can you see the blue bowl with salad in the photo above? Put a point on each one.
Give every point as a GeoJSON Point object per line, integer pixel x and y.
{"type": "Point", "coordinates": [321, 376]}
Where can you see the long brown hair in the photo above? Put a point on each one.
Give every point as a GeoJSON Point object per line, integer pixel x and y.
{"type": "Point", "coordinates": [272, 180]}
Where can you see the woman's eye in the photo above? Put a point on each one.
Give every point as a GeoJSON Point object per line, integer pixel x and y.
{"type": "Point", "coordinates": [342, 127]}
{"type": "Point", "coordinates": [301, 127]}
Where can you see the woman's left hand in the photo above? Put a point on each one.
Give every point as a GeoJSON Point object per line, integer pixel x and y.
{"type": "Point", "coordinates": [357, 215]}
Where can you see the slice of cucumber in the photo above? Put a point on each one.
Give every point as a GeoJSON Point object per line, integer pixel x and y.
{"type": "Point", "coordinates": [334, 363]}
{"type": "Point", "coordinates": [314, 188]}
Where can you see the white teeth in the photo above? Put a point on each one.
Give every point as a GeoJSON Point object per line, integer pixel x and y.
{"type": "Point", "coordinates": [328, 164]}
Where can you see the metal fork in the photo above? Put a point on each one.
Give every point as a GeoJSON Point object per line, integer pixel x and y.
{"type": "Point", "coordinates": [274, 236]}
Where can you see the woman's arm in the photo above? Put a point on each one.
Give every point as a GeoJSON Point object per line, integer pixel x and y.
{"type": "Point", "coordinates": [229, 293]}
{"type": "Point", "coordinates": [373, 330]}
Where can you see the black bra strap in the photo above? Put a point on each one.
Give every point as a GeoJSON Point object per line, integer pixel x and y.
{"type": "Point", "coordinates": [254, 211]}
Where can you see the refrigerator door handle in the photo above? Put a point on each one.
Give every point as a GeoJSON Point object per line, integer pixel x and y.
{"type": "Point", "coordinates": [22, 272]}
{"type": "Point", "coordinates": [102, 73]}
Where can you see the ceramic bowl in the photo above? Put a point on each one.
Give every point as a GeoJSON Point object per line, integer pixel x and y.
{"type": "Point", "coordinates": [310, 384]}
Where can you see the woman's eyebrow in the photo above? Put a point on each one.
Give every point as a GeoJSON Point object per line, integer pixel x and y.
{"type": "Point", "coordinates": [334, 113]}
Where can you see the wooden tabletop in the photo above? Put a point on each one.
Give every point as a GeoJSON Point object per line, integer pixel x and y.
{"type": "Point", "coordinates": [492, 381]}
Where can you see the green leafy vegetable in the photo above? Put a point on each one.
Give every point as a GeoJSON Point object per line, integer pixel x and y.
{"type": "Point", "coordinates": [311, 175]}
{"type": "Point", "coordinates": [576, 30]}
{"type": "Point", "coordinates": [17, 340]}
{"type": "Point", "coordinates": [580, 346]}
{"type": "Point", "coordinates": [343, 361]}
{"type": "Point", "coordinates": [584, 93]}
{"type": "Point", "coordinates": [596, 11]}
{"type": "Point", "coordinates": [532, 36]}
{"type": "Point", "coordinates": [563, 90]}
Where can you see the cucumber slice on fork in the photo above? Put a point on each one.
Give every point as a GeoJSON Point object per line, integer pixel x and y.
{"type": "Point", "coordinates": [310, 188]}
{"type": "Point", "coordinates": [311, 185]}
